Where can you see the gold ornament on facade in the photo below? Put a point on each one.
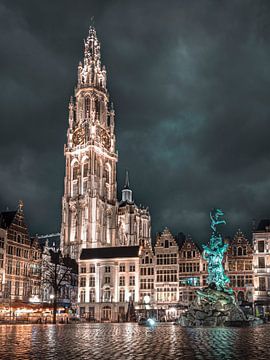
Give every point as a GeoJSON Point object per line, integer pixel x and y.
{"type": "Point", "coordinates": [104, 138]}
{"type": "Point", "coordinates": [78, 136]}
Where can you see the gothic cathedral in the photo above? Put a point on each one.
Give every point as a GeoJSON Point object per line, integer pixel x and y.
{"type": "Point", "coordinates": [92, 216]}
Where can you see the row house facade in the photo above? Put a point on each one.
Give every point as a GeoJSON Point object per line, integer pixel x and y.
{"type": "Point", "coordinates": [20, 258]}
{"type": "Point", "coordinates": [261, 267]}
{"type": "Point", "coordinates": [163, 278]}
{"type": "Point", "coordinates": [239, 267]}
{"type": "Point", "coordinates": [108, 282]}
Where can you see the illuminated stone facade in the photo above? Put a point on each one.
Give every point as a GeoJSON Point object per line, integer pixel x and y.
{"type": "Point", "coordinates": [261, 267]}
{"type": "Point", "coordinates": [3, 245]}
{"type": "Point", "coordinates": [22, 259]}
{"type": "Point", "coordinates": [192, 271]}
{"type": "Point", "coordinates": [239, 259]}
{"type": "Point", "coordinates": [108, 282]}
{"type": "Point", "coordinates": [92, 217]}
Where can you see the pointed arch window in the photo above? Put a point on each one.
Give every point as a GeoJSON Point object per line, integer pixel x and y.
{"type": "Point", "coordinates": [87, 106]}
{"type": "Point", "coordinates": [75, 171]}
{"type": "Point", "coordinates": [107, 174]}
{"type": "Point", "coordinates": [85, 169]}
{"type": "Point", "coordinates": [97, 106]}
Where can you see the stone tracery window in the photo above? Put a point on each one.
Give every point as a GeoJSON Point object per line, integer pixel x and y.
{"type": "Point", "coordinates": [75, 171]}
{"type": "Point", "coordinates": [87, 107]}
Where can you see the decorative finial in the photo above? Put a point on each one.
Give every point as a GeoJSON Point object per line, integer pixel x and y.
{"type": "Point", "coordinates": [20, 206]}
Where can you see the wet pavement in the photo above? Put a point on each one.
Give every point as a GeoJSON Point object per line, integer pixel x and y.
{"type": "Point", "coordinates": [130, 341]}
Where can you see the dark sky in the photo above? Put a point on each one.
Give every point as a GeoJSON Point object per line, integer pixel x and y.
{"type": "Point", "coordinates": [190, 81]}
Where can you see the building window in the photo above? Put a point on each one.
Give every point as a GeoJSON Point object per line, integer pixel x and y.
{"type": "Point", "coordinates": [9, 267]}
{"type": "Point", "coordinates": [132, 294]}
{"type": "Point", "coordinates": [84, 186]}
{"type": "Point", "coordinates": [132, 281]}
{"type": "Point", "coordinates": [122, 268]}
{"type": "Point", "coordinates": [261, 262]}
{"type": "Point", "coordinates": [10, 250]}
{"type": "Point", "coordinates": [17, 288]}
{"type": "Point", "coordinates": [75, 171]}
{"type": "Point", "coordinates": [83, 296]}
{"type": "Point", "coordinates": [92, 269]}
{"type": "Point", "coordinates": [107, 294]}
{"type": "Point", "coordinates": [87, 107]}
{"type": "Point", "coordinates": [260, 246]}
{"type": "Point", "coordinates": [240, 251]}
{"type": "Point", "coordinates": [18, 252]}
{"type": "Point", "coordinates": [75, 188]}
{"type": "Point", "coordinates": [83, 281]}
{"type": "Point", "coordinates": [18, 268]}
{"type": "Point", "coordinates": [122, 295]}
{"type": "Point", "coordinates": [122, 281]}
{"type": "Point", "coordinates": [85, 170]}
{"type": "Point", "coordinates": [92, 296]}
{"type": "Point", "coordinates": [2, 242]}
{"type": "Point", "coordinates": [248, 265]}
{"type": "Point", "coordinates": [107, 269]}
{"type": "Point", "coordinates": [92, 281]}
{"type": "Point", "coordinates": [1, 263]}
{"type": "Point", "coordinates": [107, 280]}
{"type": "Point", "coordinates": [83, 269]}
{"type": "Point", "coordinates": [25, 270]}
{"type": "Point", "coordinates": [131, 268]}
{"type": "Point", "coordinates": [262, 284]}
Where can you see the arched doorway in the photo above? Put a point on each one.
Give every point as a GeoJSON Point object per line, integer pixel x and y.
{"type": "Point", "coordinates": [106, 313]}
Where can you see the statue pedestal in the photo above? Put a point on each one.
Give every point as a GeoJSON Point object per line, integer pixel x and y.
{"type": "Point", "coordinates": [215, 308]}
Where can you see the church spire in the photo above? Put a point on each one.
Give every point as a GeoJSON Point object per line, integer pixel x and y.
{"type": "Point", "coordinates": [127, 180]}
{"type": "Point", "coordinates": [91, 73]}
{"type": "Point", "coordinates": [92, 46]}
{"type": "Point", "coordinates": [127, 192]}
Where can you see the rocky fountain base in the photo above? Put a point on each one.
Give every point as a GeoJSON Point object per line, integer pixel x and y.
{"type": "Point", "coordinates": [215, 308]}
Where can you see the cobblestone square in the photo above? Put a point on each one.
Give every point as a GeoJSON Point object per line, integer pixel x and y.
{"type": "Point", "coordinates": [131, 341]}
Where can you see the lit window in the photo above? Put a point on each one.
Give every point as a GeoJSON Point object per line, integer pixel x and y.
{"type": "Point", "coordinates": [87, 107]}
{"type": "Point", "coordinates": [261, 246]}
{"type": "Point", "coordinates": [122, 268]}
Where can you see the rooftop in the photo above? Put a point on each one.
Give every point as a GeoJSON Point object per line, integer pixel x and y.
{"type": "Point", "coordinates": [110, 252]}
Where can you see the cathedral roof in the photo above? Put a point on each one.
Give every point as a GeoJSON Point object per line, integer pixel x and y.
{"type": "Point", "coordinates": [126, 202]}
{"type": "Point", "coordinates": [110, 252]}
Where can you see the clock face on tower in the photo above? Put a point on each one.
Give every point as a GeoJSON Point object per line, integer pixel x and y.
{"type": "Point", "coordinates": [78, 136]}
{"type": "Point", "coordinates": [104, 138]}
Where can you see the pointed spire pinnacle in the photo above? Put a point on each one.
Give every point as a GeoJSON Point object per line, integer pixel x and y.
{"type": "Point", "coordinates": [127, 192]}
{"type": "Point", "coordinates": [127, 180]}
{"type": "Point", "coordinates": [92, 46]}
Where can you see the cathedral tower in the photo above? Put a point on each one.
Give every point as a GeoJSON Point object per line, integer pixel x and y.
{"type": "Point", "coordinates": [89, 204]}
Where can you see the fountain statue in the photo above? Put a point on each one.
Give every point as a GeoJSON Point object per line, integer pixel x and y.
{"type": "Point", "coordinates": [215, 305]}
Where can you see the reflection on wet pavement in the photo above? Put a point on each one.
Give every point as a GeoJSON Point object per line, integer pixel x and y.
{"type": "Point", "coordinates": [130, 341]}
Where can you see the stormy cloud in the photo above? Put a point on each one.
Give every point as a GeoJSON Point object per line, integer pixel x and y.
{"type": "Point", "coordinates": [190, 83]}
